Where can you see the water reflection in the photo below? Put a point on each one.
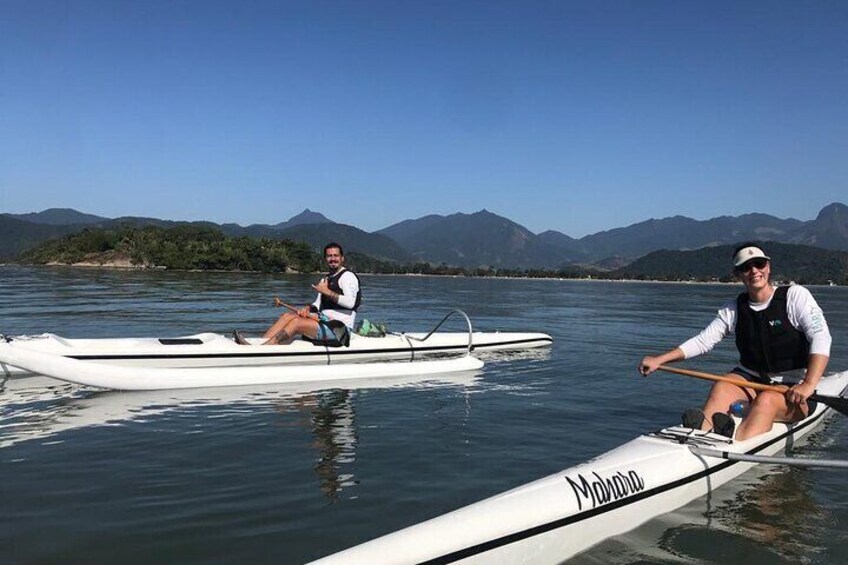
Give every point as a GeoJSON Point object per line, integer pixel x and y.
{"type": "Point", "coordinates": [40, 408]}
{"type": "Point", "coordinates": [768, 515]}
{"type": "Point", "coordinates": [779, 513]}
{"type": "Point", "coordinates": [331, 417]}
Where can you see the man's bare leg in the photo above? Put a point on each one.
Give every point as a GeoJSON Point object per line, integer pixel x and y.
{"type": "Point", "coordinates": [292, 328]}
{"type": "Point", "coordinates": [277, 326]}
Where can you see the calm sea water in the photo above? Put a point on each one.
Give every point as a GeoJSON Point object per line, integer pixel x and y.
{"type": "Point", "coordinates": [284, 475]}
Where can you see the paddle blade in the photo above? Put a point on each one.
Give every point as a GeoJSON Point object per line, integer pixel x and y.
{"type": "Point", "coordinates": [838, 403]}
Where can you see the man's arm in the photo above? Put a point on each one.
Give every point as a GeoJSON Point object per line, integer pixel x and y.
{"type": "Point", "coordinates": [350, 288]}
{"type": "Point", "coordinates": [347, 298]}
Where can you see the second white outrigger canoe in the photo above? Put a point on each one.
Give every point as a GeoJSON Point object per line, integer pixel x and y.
{"type": "Point", "coordinates": [554, 518]}
{"type": "Point", "coordinates": [206, 350]}
{"type": "Point", "coordinates": [215, 350]}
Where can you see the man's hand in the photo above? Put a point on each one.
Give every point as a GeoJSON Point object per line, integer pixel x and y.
{"type": "Point", "coordinates": [322, 287]}
{"type": "Point", "coordinates": [305, 313]}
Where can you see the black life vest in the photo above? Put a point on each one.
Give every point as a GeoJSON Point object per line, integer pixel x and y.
{"type": "Point", "coordinates": [333, 284]}
{"type": "Point", "coordinates": [766, 340]}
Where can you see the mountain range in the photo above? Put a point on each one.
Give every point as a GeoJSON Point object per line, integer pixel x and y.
{"type": "Point", "coordinates": [480, 239]}
{"type": "Point", "coordinates": [790, 261]}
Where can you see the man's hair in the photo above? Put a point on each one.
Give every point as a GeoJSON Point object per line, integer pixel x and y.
{"type": "Point", "coordinates": [332, 245]}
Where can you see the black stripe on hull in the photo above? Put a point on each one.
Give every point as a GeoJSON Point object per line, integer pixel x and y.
{"type": "Point", "coordinates": [544, 528]}
{"type": "Point", "coordinates": [324, 352]}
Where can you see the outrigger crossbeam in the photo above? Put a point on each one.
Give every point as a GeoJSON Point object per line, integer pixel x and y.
{"type": "Point", "coordinates": [770, 459]}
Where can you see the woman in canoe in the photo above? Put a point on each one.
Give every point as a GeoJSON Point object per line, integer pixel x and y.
{"type": "Point", "coordinates": [779, 331]}
{"type": "Point", "coordinates": [330, 318]}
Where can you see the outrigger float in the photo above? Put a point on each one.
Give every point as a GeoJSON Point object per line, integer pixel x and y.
{"type": "Point", "coordinates": [117, 377]}
{"type": "Point", "coordinates": [554, 518]}
{"type": "Point", "coordinates": [206, 360]}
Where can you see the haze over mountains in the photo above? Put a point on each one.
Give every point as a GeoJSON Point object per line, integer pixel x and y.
{"type": "Point", "coordinates": [481, 239]}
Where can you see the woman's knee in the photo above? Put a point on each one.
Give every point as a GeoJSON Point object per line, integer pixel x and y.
{"type": "Point", "coordinates": [723, 390]}
{"type": "Point", "coordinates": [773, 401]}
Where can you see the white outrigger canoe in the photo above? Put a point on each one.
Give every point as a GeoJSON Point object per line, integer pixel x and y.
{"type": "Point", "coordinates": [212, 360]}
{"type": "Point", "coordinates": [554, 518]}
{"type": "Point", "coordinates": [215, 350]}
{"type": "Point", "coordinates": [209, 350]}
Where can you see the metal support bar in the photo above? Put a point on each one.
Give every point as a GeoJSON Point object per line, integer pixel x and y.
{"type": "Point", "coordinates": [769, 459]}
{"type": "Point", "coordinates": [451, 313]}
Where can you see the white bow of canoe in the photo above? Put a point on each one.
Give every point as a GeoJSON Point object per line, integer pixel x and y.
{"type": "Point", "coordinates": [120, 377]}
{"type": "Point", "coordinates": [554, 518]}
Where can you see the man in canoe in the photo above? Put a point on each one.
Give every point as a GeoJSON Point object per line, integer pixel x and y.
{"type": "Point", "coordinates": [330, 318]}
{"type": "Point", "coordinates": [780, 331]}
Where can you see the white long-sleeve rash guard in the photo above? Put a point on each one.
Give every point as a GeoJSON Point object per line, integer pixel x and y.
{"type": "Point", "coordinates": [347, 300]}
{"type": "Point", "coordinates": [802, 309]}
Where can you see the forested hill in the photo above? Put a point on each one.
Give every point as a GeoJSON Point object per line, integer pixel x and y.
{"type": "Point", "coordinates": [187, 247]}
{"type": "Point", "coordinates": [481, 240]}
{"type": "Point", "coordinates": [800, 263]}
{"type": "Point", "coordinates": [182, 247]}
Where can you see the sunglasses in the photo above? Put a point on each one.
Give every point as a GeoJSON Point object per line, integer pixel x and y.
{"type": "Point", "coordinates": [759, 264]}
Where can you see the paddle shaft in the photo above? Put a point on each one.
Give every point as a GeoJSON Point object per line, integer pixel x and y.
{"type": "Point", "coordinates": [278, 302]}
{"type": "Point", "coordinates": [838, 403]}
{"type": "Point", "coordinates": [711, 377]}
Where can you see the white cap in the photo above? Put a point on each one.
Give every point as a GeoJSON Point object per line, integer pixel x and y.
{"type": "Point", "coordinates": [746, 254]}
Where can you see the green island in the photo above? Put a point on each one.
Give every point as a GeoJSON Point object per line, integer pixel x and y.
{"type": "Point", "coordinates": [191, 247]}
{"type": "Point", "coordinates": [183, 247]}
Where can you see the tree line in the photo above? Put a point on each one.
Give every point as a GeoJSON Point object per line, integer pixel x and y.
{"type": "Point", "coordinates": [182, 247]}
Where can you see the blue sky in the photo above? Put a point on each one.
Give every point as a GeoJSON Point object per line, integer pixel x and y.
{"type": "Point", "coordinates": [573, 116]}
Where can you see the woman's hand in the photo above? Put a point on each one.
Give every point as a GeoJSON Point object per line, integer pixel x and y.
{"type": "Point", "coordinates": [648, 365]}
{"type": "Point", "coordinates": [798, 394]}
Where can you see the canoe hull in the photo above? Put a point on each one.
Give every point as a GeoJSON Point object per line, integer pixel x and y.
{"type": "Point", "coordinates": [554, 518]}
{"type": "Point", "coordinates": [213, 350]}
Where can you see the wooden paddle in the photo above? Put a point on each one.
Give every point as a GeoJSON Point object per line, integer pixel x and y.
{"type": "Point", "coordinates": [838, 403]}
{"type": "Point", "coordinates": [278, 303]}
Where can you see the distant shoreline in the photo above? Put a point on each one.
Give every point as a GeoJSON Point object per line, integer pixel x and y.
{"type": "Point", "coordinates": [125, 265]}
{"type": "Point", "coordinates": [560, 279]}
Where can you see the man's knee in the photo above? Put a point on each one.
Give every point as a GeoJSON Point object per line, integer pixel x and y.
{"type": "Point", "coordinates": [305, 326]}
